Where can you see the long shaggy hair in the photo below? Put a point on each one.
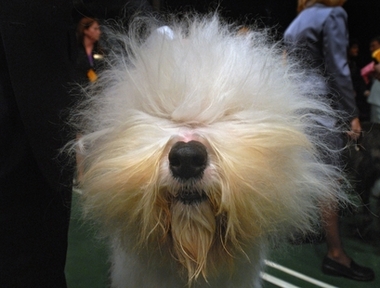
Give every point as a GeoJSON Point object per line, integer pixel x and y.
{"type": "Point", "coordinates": [248, 116]}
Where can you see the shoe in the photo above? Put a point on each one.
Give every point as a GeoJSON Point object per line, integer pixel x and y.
{"type": "Point", "coordinates": [354, 272]}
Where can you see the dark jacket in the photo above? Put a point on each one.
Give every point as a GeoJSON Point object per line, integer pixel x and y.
{"type": "Point", "coordinates": [37, 47]}
{"type": "Point", "coordinates": [83, 64]}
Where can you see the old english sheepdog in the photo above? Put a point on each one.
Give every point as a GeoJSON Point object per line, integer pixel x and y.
{"type": "Point", "coordinates": [201, 147]}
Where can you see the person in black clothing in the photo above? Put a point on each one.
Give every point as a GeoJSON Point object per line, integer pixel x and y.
{"type": "Point", "coordinates": [37, 57]}
{"type": "Point", "coordinates": [89, 54]}
{"type": "Point", "coordinates": [38, 53]}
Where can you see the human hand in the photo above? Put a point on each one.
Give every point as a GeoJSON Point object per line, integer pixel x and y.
{"type": "Point", "coordinates": [356, 129]}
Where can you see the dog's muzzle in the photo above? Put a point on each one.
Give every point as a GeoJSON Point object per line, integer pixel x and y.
{"type": "Point", "coordinates": [187, 162]}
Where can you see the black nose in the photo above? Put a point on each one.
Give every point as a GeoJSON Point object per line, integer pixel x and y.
{"type": "Point", "coordinates": [188, 160]}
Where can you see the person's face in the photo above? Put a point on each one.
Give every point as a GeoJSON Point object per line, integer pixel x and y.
{"type": "Point", "coordinates": [354, 50]}
{"type": "Point", "coordinates": [374, 45]}
{"type": "Point", "coordinates": [93, 32]}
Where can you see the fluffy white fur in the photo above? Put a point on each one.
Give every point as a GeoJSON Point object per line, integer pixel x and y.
{"type": "Point", "coordinates": [254, 109]}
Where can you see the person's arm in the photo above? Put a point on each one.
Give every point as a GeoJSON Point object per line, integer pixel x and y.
{"type": "Point", "coordinates": [335, 44]}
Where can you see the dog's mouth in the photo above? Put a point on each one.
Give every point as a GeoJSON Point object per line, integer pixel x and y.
{"type": "Point", "coordinates": [189, 197]}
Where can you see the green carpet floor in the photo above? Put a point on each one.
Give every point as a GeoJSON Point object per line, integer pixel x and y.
{"type": "Point", "coordinates": [87, 265]}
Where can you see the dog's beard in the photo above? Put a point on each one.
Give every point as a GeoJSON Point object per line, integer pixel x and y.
{"type": "Point", "coordinates": [193, 226]}
{"type": "Point", "coordinates": [193, 230]}
{"type": "Point", "coordinates": [200, 234]}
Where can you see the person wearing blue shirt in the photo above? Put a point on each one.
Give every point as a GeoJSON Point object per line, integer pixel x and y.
{"type": "Point", "coordinates": [320, 30]}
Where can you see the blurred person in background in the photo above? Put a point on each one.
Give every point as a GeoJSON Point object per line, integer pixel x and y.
{"type": "Point", "coordinates": [360, 87]}
{"type": "Point", "coordinates": [320, 29]}
{"type": "Point", "coordinates": [89, 53]}
{"type": "Point", "coordinates": [374, 95]}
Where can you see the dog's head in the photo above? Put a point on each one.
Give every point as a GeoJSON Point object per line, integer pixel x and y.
{"type": "Point", "coordinates": [203, 141]}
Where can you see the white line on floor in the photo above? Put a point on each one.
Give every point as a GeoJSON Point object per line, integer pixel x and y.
{"type": "Point", "coordinates": [276, 281]}
{"type": "Point", "coordinates": [298, 275]}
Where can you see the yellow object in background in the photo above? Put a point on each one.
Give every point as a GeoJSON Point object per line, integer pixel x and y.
{"type": "Point", "coordinates": [376, 56]}
{"type": "Point", "coordinates": [92, 75]}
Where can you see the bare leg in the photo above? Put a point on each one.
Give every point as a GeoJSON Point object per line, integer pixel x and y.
{"type": "Point", "coordinates": [335, 249]}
